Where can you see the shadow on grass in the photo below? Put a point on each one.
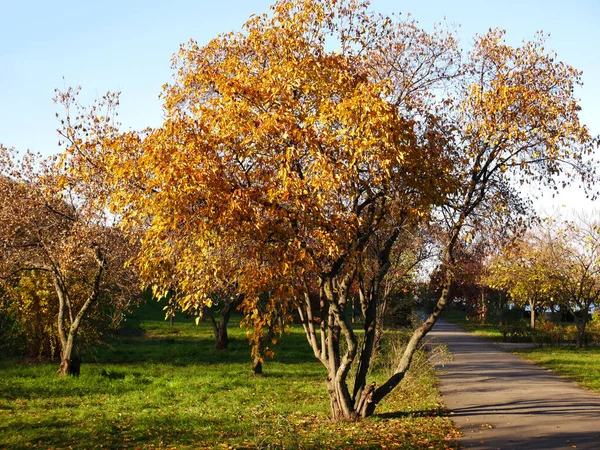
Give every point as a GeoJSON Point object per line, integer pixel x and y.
{"type": "Point", "coordinates": [97, 381]}
{"type": "Point", "coordinates": [128, 432]}
{"type": "Point", "coordinates": [175, 347]}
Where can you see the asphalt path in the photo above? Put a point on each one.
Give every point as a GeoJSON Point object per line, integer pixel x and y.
{"type": "Point", "coordinates": [503, 402]}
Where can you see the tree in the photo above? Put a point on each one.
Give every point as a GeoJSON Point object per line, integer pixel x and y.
{"type": "Point", "coordinates": [48, 230]}
{"type": "Point", "coordinates": [575, 251]}
{"type": "Point", "coordinates": [295, 154]}
{"type": "Point", "coordinates": [524, 271]}
{"type": "Point", "coordinates": [472, 255]}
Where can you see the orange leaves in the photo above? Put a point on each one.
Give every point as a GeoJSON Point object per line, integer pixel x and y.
{"type": "Point", "coordinates": [520, 101]}
{"type": "Point", "coordinates": [294, 138]}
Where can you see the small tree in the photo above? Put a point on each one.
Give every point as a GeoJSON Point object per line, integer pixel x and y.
{"type": "Point", "coordinates": [48, 228]}
{"type": "Point", "coordinates": [524, 270]}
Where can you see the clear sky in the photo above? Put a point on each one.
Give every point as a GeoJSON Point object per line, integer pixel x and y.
{"type": "Point", "coordinates": [126, 45]}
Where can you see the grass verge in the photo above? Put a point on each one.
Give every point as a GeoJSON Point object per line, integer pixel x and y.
{"type": "Point", "coordinates": [158, 386]}
{"type": "Point", "coordinates": [579, 365]}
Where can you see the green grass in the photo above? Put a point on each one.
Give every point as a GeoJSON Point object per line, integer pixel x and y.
{"type": "Point", "coordinates": [158, 386]}
{"type": "Point", "coordinates": [579, 365]}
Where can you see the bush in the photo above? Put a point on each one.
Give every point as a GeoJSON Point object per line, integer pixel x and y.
{"type": "Point", "coordinates": [548, 332]}
{"type": "Point", "coordinates": [31, 305]}
{"type": "Point", "coordinates": [519, 331]}
{"type": "Point", "coordinates": [592, 330]}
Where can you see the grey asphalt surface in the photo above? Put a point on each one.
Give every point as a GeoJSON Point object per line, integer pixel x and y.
{"type": "Point", "coordinates": [502, 402]}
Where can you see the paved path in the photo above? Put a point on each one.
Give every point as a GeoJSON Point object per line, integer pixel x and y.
{"type": "Point", "coordinates": [502, 402]}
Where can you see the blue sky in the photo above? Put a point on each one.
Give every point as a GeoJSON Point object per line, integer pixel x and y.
{"type": "Point", "coordinates": [127, 45]}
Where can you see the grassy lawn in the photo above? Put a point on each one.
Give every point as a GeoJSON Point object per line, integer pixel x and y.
{"type": "Point", "coordinates": [159, 386]}
{"type": "Point", "coordinates": [579, 365]}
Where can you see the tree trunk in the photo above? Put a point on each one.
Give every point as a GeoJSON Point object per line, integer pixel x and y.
{"type": "Point", "coordinates": [369, 344]}
{"type": "Point", "coordinates": [342, 406]}
{"type": "Point", "coordinates": [379, 325]}
{"type": "Point", "coordinates": [581, 329]}
{"type": "Point", "coordinates": [222, 338]}
{"type": "Point", "coordinates": [373, 398]}
{"type": "Point", "coordinates": [532, 318]}
{"type": "Point", "coordinates": [257, 365]}
{"type": "Point", "coordinates": [70, 362]}
{"type": "Point", "coordinates": [365, 401]}
{"type": "Point", "coordinates": [220, 329]}
{"type": "Point", "coordinates": [337, 413]}
{"type": "Point", "coordinates": [260, 353]}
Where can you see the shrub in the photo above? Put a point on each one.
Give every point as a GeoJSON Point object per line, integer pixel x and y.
{"type": "Point", "coordinates": [519, 331]}
{"type": "Point", "coordinates": [592, 331]}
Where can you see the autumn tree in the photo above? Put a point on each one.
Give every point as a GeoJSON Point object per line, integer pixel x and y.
{"type": "Point", "coordinates": [295, 155]}
{"type": "Point", "coordinates": [557, 263]}
{"type": "Point", "coordinates": [49, 234]}
{"type": "Point", "coordinates": [575, 251]}
{"type": "Point", "coordinates": [525, 271]}
{"type": "Point", "coordinates": [287, 168]}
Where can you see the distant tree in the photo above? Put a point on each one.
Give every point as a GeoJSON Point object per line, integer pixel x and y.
{"type": "Point", "coordinates": [575, 251]}
{"type": "Point", "coordinates": [525, 271]}
{"type": "Point", "coordinates": [226, 307]}
{"type": "Point", "coordinates": [48, 231]}
{"type": "Point", "coordinates": [467, 290]}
